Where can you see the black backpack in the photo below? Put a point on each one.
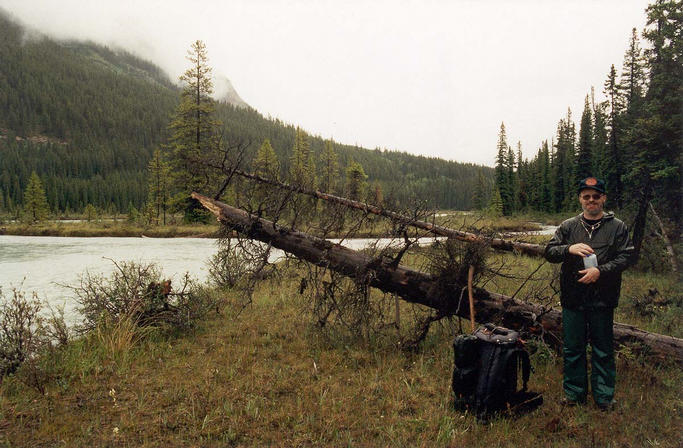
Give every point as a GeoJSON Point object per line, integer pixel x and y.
{"type": "Point", "coordinates": [486, 369]}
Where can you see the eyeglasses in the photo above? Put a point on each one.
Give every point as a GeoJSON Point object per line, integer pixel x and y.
{"type": "Point", "coordinates": [595, 196]}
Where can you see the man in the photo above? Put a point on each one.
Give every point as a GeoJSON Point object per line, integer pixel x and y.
{"type": "Point", "coordinates": [590, 293]}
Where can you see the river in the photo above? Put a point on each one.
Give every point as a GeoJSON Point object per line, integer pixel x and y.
{"type": "Point", "coordinates": [41, 264]}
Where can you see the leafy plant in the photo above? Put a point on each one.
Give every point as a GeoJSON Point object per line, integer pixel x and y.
{"type": "Point", "coordinates": [137, 292]}
{"type": "Point", "coordinates": [22, 330]}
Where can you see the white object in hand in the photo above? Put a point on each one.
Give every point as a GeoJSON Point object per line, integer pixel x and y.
{"type": "Point", "coordinates": [590, 261]}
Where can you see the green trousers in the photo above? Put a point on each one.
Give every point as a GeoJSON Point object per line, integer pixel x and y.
{"type": "Point", "coordinates": [580, 327]}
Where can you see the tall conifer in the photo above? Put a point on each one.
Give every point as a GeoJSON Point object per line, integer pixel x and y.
{"type": "Point", "coordinates": [502, 171]}
{"type": "Point", "coordinates": [329, 167]}
{"type": "Point", "coordinates": [194, 131]}
{"type": "Point", "coordinates": [35, 202]}
{"type": "Point", "coordinates": [584, 158]}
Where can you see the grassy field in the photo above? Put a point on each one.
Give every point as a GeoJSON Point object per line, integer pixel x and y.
{"type": "Point", "coordinates": [268, 377]}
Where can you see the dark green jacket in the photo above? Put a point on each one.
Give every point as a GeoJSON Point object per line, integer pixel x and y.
{"type": "Point", "coordinates": [614, 250]}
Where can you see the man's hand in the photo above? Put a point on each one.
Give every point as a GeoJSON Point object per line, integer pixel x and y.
{"type": "Point", "coordinates": [580, 249]}
{"type": "Point", "coordinates": [590, 275]}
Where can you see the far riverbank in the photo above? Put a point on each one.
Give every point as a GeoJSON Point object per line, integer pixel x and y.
{"type": "Point", "coordinates": [121, 228]}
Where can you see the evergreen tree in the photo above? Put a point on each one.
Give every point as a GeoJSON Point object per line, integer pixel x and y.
{"type": "Point", "coordinates": [513, 181]}
{"type": "Point", "coordinates": [657, 135]}
{"type": "Point", "coordinates": [35, 202]}
{"type": "Point", "coordinates": [378, 198]}
{"type": "Point", "coordinates": [503, 177]}
{"type": "Point", "coordinates": [194, 131]}
{"type": "Point", "coordinates": [632, 83]}
{"type": "Point", "coordinates": [479, 201]}
{"type": "Point", "coordinates": [90, 212]}
{"type": "Point", "coordinates": [584, 159]}
{"type": "Point", "coordinates": [614, 154]}
{"type": "Point", "coordinates": [599, 145]}
{"type": "Point", "coordinates": [157, 188]}
{"type": "Point", "coordinates": [564, 171]}
{"type": "Point", "coordinates": [495, 208]}
{"type": "Point", "coordinates": [329, 167]}
{"type": "Point", "coordinates": [523, 181]}
{"type": "Point", "coordinates": [545, 170]}
{"type": "Point", "coordinates": [266, 163]}
{"type": "Point", "coordinates": [355, 181]}
{"type": "Point", "coordinates": [301, 169]}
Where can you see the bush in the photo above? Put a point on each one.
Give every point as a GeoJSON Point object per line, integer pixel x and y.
{"type": "Point", "coordinates": [22, 330]}
{"type": "Point", "coordinates": [228, 265]}
{"type": "Point", "coordinates": [137, 292]}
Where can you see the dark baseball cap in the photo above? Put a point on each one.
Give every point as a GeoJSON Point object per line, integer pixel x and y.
{"type": "Point", "coordinates": [594, 183]}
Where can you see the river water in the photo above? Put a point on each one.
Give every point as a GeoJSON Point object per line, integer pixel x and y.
{"type": "Point", "coordinates": [41, 264]}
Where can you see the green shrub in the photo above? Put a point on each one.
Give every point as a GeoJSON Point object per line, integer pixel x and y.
{"type": "Point", "coordinates": [136, 292]}
{"type": "Point", "coordinates": [22, 330]}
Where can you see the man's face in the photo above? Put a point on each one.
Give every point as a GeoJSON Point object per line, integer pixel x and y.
{"type": "Point", "coordinates": [592, 202]}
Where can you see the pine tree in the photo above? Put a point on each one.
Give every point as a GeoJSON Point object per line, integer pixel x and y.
{"type": "Point", "coordinates": [90, 212]}
{"type": "Point", "coordinates": [355, 181]}
{"type": "Point", "coordinates": [584, 159]}
{"type": "Point", "coordinates": [632, 83]}
{"type": "Point", "coordinates": [301, 169]}
{"type": "Point", "coordinates": [157, 188]}
{"type": "Point", "coordinates": [657, 134]}
{"type": "Point", "coordinates": [614, 153]}
{"type": "Point", "coordinates": [564, 166]}
{"type": "Point", "coordinates": [329, 167]}
{"type": "Point", "coordinates": [522, 181]}
{"type": "Point", "coordinates": [495, 208]}
{"type": "Point", "coordinates": [502, 171]}
{"type": "Point", "coordinates": [266, 163]}
{"type": "Point", "coordinates": [35, 202]}
{"type": "Point", "coordinates": [378, 198]}
{"type": "Point", "coordinates": [546, 194]}
{"type": "Point", "coordinates": [479, 201]}
{"type": "Point", "coordinates": [600, 154]}
{"type": "Point", "coordinates": [512, 206]}
{"type": "Point", "coordinates": [194, 131]}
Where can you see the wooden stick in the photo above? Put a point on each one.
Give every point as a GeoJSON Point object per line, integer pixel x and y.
{"type": "Point", "coordinates": [470, 277]}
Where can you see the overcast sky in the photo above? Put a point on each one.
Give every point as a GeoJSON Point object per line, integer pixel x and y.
{"type": "Point", "coordinates": [428, 77]}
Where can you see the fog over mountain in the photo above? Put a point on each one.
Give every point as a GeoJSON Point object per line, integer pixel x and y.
{"type": "Point", "coordinates": [434, 78]}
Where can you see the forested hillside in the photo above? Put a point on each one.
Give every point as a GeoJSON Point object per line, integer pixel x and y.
{"type": "Point", "coordinates": [87, 118]}
{"type": "Point", "coordinates": [633, 139]}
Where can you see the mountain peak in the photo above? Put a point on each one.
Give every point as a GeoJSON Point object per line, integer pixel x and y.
{"type": "Point", "coordinates": [225, 92]}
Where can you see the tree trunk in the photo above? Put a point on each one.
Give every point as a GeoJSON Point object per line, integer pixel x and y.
{"type": "Point", "coordinates": [667, 242]}
{"type": "Point", "coordinates": [534, 250]}
{"type": "Point", "coordinates": [422, 288]}
{"type": "Point", "coordinates": [639, 224]}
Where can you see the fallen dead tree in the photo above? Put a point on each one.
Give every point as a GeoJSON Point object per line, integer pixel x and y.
{"type": "Point", "coordinates": [422, 288]}
{"type": "Point", "coordinates": [534, 250]}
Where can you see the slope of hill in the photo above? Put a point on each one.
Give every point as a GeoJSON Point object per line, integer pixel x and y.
{"type": "Point", "coordinates": [86, 118]}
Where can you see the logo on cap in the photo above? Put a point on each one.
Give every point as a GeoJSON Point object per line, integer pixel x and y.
{"type": "Point", "coordinates": [591, 181]}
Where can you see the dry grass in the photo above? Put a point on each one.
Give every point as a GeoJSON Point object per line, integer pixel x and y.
{"type": "Point", "coordinates": [268, 378]}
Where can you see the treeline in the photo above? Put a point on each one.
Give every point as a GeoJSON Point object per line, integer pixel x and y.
{"type": "Point", "coordinates": [632, 140]}
{"type": "Point", "coordinates": [402, 176]}
{"type": "Point", "coordinates": [87, 120]}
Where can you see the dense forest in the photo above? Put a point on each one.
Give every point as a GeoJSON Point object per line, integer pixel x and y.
{"type": "Point", "coordinates": [87, 120]}
{"type": "Point", "coordinates": [632, 139]}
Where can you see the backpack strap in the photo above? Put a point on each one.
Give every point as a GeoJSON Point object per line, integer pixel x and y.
{"type": "Point", "coordinates": [526, 367]}
{"type": "Point", "coordinates": [519, 355]}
